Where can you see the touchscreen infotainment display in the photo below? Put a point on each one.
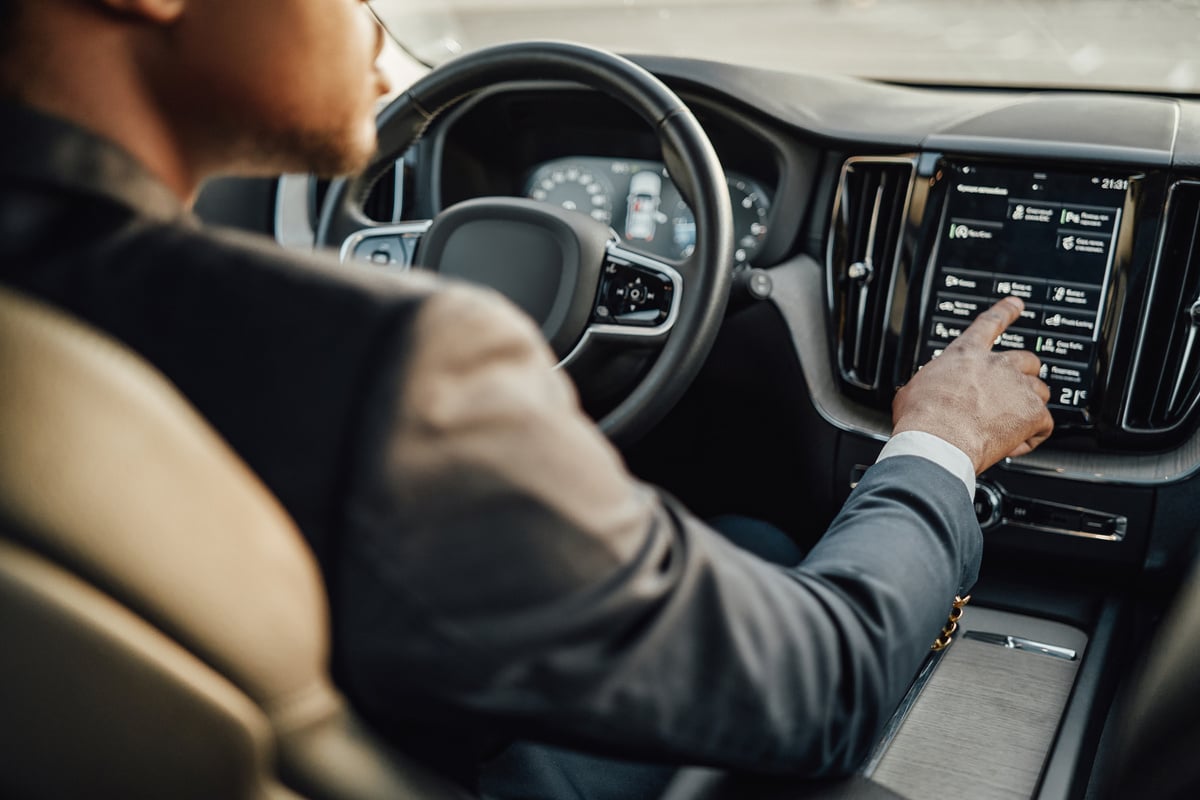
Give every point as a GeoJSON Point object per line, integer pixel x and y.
{"type": "Point", "coordinates": [1046, 237]}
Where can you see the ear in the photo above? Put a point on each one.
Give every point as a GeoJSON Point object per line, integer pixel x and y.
{"type": "Point", "coordinates": [160, 11]}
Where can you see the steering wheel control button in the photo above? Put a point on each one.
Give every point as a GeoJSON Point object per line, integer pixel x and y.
{"type": "Point", "coordinates": [390, 247]}
{"type": "Point", "coordinates": [633, 295]}
{"type": "Point", "coordinates": [384, 251]}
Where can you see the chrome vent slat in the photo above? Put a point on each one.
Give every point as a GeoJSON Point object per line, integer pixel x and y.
{"type": "Point", "coordinates": [864, 249]}
{"type": "Point", "coordinates": [1164, 386]}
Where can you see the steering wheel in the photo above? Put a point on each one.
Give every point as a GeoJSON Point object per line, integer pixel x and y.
{"type": "Point", "coordinates": [568, 271]}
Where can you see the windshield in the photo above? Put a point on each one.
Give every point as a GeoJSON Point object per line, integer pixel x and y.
{"type": "Point", "coordinates": [1109, 44]}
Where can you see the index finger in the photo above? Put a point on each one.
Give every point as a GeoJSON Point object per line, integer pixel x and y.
{"type": "Point", "coordinates": [991, 323]}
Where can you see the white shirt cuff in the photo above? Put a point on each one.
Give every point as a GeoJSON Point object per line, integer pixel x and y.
{"type": "Point", "coordinates": [935, 449]}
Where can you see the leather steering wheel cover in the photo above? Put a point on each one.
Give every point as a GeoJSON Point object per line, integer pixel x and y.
{"type": "Point", "coordinates": [691, 161]}
{"type": "Point", "coordinates": [706, 289]}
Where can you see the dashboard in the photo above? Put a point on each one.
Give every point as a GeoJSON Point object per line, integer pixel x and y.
{"type": "Point", "coordinates": [882, 219]}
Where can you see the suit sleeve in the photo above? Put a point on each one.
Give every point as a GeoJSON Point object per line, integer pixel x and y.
{"type": "Point", "coordinates": [502, 570]}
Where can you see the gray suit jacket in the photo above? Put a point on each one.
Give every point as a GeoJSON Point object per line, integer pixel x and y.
{"type": "Point", "coordinates": [494, 570]}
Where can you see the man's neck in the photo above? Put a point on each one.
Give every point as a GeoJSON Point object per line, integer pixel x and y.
{"type": "Point", "coordinates": [92, 81]}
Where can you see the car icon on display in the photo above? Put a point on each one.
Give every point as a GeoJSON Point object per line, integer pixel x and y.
{"type": "Point", "coordinates": [645, 192]}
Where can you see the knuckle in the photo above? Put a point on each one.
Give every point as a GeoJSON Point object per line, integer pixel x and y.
{"type": "Point", "coordinates": [991, 316]}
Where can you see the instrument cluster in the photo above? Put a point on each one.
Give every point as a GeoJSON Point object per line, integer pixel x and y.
{"type": "Point", "coordinates": [640, 202]}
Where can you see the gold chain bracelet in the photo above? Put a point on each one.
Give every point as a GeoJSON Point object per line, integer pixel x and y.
{"type": "Point", "coordinates": [943, 641]}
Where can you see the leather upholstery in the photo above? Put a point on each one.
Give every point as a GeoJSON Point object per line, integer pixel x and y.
{"type": "Point", "coordinates": [97, 703]}
{"type": "Point", "coordinates": [173, 587]}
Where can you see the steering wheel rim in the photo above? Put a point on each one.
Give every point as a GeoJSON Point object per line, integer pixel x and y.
{"type": "Point", "coordinates": [687, 152]}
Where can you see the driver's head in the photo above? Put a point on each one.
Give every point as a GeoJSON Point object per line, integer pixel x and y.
{"type": "Point", "coordinates": [196, 87]}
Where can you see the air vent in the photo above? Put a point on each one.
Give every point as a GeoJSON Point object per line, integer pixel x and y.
{"type": "Point", "coordinates": [1165, 380]}
{"type": "Point", "coordinates": [864, 246]}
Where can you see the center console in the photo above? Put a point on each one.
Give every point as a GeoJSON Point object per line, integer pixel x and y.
{"type": "Point", "coordinates": [1106, 259]}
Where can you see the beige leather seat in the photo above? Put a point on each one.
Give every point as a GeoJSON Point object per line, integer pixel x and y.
{"type": "Point", "coordinates": [163, 627]}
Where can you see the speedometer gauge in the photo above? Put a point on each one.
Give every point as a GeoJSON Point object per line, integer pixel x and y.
{"type": "Point", "coordinates": [574, 188]}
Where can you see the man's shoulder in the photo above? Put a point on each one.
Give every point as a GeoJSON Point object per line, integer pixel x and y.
{"type": "Point", "coordinates": [252, 278]}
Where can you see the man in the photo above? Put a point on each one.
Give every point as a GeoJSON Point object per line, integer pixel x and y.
{"type": "Point", "coordinates": [494, 571]}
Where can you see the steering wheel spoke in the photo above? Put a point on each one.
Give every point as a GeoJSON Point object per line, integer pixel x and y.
{"type": "Point", "coordinates": [393, 246]}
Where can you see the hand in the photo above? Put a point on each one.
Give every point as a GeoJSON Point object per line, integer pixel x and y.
{"type": "Point", "coordinates": [989, 405]}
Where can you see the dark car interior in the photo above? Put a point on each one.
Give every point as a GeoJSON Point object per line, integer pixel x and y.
{"type": "Point", "coordinates": [869, 223]}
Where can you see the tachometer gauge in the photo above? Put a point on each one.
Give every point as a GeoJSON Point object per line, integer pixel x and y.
{"type": "Point", "coordinates": [574, 188]}
{"type": "Point", "coordinates": [750, 207]}
{"type": "Point", "coordinates": [683, 227]}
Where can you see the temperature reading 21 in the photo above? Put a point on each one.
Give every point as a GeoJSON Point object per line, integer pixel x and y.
{"type": "Point", "coordinates": [1072, 397]}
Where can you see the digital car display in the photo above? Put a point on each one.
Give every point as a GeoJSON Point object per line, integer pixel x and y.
{"type": "Point", "coordinates": [1048, 238]}
{"type": "Point", "coordinates": [639, 200]}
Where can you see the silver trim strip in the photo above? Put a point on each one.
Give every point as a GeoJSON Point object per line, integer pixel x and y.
{"type": "Point", "coordinates": [1021, 643]}
{"type": "Point", "coordinates": [1160, 469]}
{"type": "Point", "coordinates": [1188, 346]}
{"type": "Point", "coordinates": [415, 230]}
{"type": "Point", "coordinates": [631, 333]}
{"type": "Point", "coordinates": [1103, 537]}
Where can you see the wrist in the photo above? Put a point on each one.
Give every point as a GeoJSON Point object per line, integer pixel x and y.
{"type": "Point", "coordinates": [967, 442]}
{"type": "Point", "coordinates": [935, 449]}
